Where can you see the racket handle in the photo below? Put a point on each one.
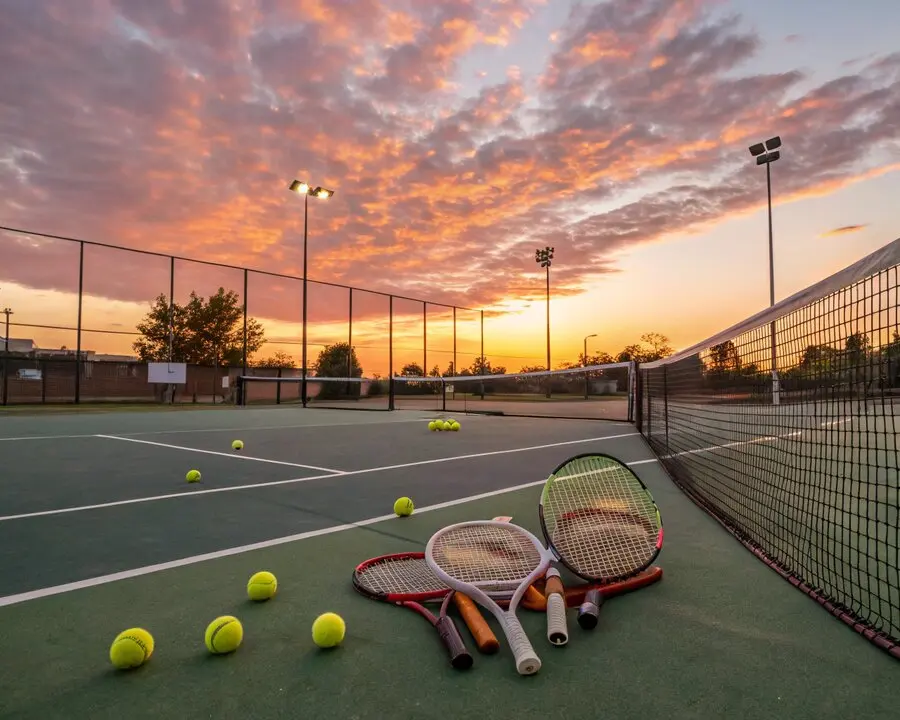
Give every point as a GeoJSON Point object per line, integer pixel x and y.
{"type": "Point", "coordinates": [456, 649]}
{"type": "Point", "coordinates": [484, 637]}
{"type": "Point", "coordinates": [557, 630]}
{"type": "Point", "coordinates": [588, 613]}
{"type": "Point", "coordinates": [527, 661]}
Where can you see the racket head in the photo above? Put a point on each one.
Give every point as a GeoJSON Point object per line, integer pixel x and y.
{"type": "Point", "coordinates": [600, 519]}
{"type": "Point", "coordinates": [398, 577]}
{"type": "Point", "coordinates": [487, 559]}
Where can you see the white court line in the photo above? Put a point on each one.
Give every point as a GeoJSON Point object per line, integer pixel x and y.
{"type": "Point", "coordinates": [291, 481]}
{"type": "Point", "coordinates": [233, 455]}
{"type": "Point", "coordinates": [240, 549]}
{"type": "Point", "coordinates": [211, 430]}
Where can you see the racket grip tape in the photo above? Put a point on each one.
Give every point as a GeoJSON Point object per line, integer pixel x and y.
{"type": "Point", "coordinates": [456, 648]}
{"type": "Point", "coordinates": [527, 661]}
{"type": "Point", "coordinates": [485, 640]}
{"type": "Point", "coordinates": [588, 613]}
{"type": "Point", "coordinates": [557, 630]}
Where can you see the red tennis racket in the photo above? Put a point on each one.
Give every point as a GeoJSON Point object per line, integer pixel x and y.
{"type": "Point", "coordinates": [405, 579]}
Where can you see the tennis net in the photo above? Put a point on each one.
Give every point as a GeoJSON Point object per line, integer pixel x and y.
{"type": "Point", "coordinates": [321, 392]}
{"type": "Point", "coordinates": [785, 428]}
{"type": "Point", "coordinates": [596, 392]}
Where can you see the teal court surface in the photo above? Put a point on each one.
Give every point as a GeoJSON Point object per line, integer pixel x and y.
{"type": "Point", "coordinates": [100, 532]}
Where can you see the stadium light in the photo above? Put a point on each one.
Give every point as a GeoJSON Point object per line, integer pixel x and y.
{"type": "Point", "coordinates": [545, 259]}
{"type": "Point", "coordinates": [301, 187]}
{"type": "Point", "coordinates": [766, 153]}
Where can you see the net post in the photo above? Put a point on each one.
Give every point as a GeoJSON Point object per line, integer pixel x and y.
{"type": "Point", "coordinates": [78, 330]}
{"type": "Point", "coordinates": [666, 405]}
{"type": "Point", "coordinates": [635, 411]}
{"type": "Point", "coordinates": [390, 352]}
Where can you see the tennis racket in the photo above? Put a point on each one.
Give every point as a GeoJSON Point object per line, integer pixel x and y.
{"type": "Point", "coordinates": [600, 521]}
{"type": "Point", "coordinates": [405, 579]}
{"type": "Point", "coordinates": [483, 557]}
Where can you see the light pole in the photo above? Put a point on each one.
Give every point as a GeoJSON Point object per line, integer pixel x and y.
{"type": "Point", "coordinates": [584, 363]}
{"type": "Point", "coordinates": [544, 258]}
{"type": "Point", "coordinates": [6, 311]}
{"type": "Point", "coordinates": [305, 189]}
{"type": "Point", "coordinates": [766, 153]}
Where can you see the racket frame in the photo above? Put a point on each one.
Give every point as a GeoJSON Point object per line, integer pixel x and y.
{"type": "Point", "coordinates": [449, 634]}
{"type": "Point", "coordinates": [527, 660]}
{"type": "Point", "coordinates": [552, 548]}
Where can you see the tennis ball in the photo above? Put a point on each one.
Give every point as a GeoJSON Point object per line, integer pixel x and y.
{"type": "Point", "coordinates": [262, 585]}
{"type": "Point", "coordinates": [237, 445]}
{"type": "Point", "coordinates": [447, 425]}
{"type": "Point", "coordinates": [404, 506]}
{"type": "Point", "coordinates": [193, 476]}
{"type": "Point", "coordinates": [328, 630]}
{"type": "Point", "coordinates": [432, 426]}
{"type": "Point", "coordinates": [454, 426]}
{"type": "Point", "coordinates": [224, 635]}
{"type": "Point", "coordinates": [131, 648]}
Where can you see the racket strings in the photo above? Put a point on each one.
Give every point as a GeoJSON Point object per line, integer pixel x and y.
{"type": "Point", "coordinates": [600, 518]}
{"type": "Point", "coordinates": [400, 576]}
{"type": "Point", "coordinates": [486, 555]}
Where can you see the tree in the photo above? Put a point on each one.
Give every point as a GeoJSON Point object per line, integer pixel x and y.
{"type": "Point", "coordinates": [482, 366]}
{"type": "Point", "coordinates": [659, 346]}
{"type": "Point", "coordinates": [337, 360]}
{"type": "Point", "coordinates": [278, 359]}
{"type": "Point", "coordinates": [203, 332]}
{"type": "Point", "coordinates": [724, 357]}
{"type": "Point", "coordinates": [631, 353]}
{"type": "Point", "coordinates": [412, 370]}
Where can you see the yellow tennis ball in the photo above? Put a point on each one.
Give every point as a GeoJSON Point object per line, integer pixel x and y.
{"type": "Point", "coordinates": [131, 648]}
{"type": "Point", "coordinates": [328, 630]}
{"type": "Point", "coordinates": [224, 635]}
{"type": "Point", "coordinates": [262, 585]}
{"type": "Point", "coordinates": [237, 445]}
{"type": "Point", "coordinates": [404, 506]}
{"type": "Point", "coordinates": [193, 476]}
{"type": "Point", "coordinates": [447, 425]}
{"type": "Point", "coordinates": [432, 426]}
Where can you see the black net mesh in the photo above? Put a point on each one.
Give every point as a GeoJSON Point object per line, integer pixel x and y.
{"type": "Point", "coordinates": [800, 464]}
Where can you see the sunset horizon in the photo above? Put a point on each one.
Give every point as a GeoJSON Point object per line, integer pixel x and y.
{"type": "Point", "coordinates": [468, 135]}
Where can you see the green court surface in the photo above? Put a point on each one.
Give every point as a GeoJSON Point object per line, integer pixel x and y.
{"type": "Point", "coordinates": [99, 532]}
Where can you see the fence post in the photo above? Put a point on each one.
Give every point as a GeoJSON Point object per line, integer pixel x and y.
{"type": "Point", "coordinates": [424, 339]}
{"type": "Point", "coordinates": [483, 359]}
{"type": "Point", "coordinates": [78, 329]}
{"type": "Point", "coordinates": [244, 352]}
{"type": "Point", "coordinates": [350, 348]}
{"type": "Point", "coordinates": [171, 387]}
{"type": "Point", "coordinates": [391, 352]}
{"type": "Point", "coordinates": [455, 368]}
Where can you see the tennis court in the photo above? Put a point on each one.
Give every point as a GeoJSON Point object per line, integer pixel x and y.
{"type": "Point", "coordinates": [100, 532]}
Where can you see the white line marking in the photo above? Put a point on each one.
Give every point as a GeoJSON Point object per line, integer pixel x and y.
{"type": "Point", "coordinates": [291, 481]}
{"type": "Point", "coordinates": [232, 455]}
{"type": "Point", "coordinates": [43, 437]}
{"type": "Point", "coordinates": [192, 560]}
{"type": "Point", "coordinates": [211, 430]}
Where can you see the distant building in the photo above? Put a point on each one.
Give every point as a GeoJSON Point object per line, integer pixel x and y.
{"type": "Point", "coordinates": [18, 345]}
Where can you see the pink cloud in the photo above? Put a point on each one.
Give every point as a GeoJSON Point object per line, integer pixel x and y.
{"type": "Point", "coordinates": [145, 125]}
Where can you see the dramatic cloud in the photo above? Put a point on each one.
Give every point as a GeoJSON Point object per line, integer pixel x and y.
{"type": "Point", "coordinates": [845, 230]}
{"type": "Point", "coordinates": [166, 127]}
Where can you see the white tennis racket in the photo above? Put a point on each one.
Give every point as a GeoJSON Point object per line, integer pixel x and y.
{"type": "Point", "coordinates": [483, 556]}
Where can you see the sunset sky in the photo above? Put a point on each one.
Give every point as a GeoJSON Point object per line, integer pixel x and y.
{"type": "Point", "coordinates": [459, 136]}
